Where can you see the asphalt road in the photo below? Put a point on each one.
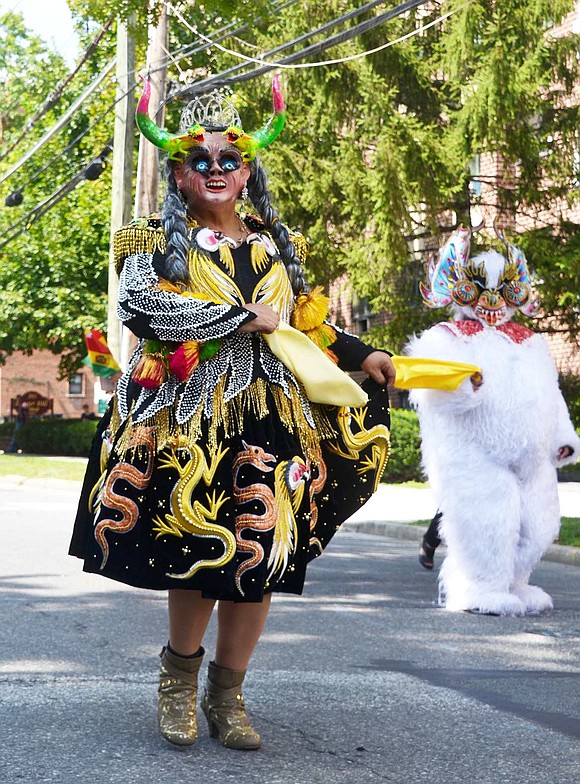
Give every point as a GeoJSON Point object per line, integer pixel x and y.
{"type": "Point", "coordinates": [363, 679]}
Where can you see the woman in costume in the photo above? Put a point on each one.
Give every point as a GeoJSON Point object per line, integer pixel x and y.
{"type": "Point", "coordinates": [220, 470]}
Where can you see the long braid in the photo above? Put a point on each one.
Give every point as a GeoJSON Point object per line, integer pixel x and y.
{"type": "Point", "coordinates": [260, 197]}
{"type": "Point", "coordinates": [174, 218]}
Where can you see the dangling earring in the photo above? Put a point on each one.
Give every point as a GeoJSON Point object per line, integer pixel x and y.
{"type": "Point", "coordinates": [244, 197]}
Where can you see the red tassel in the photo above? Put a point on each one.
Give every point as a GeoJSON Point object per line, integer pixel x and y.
{"type": "Point", "coordinates": [184, 359]}
{"type": "Point", "coordinates": [150, 371]}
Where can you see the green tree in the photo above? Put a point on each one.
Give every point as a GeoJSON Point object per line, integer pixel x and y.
{"type": "Point", "coordinates": [53, 275]}
{"type": "Point", "coordinates": [377, 150]}
{"type": "Point", "coordinates": [375, 154]}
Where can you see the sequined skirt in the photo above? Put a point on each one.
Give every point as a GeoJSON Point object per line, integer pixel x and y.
{"type": "Point", "coordinates": [233, 516]}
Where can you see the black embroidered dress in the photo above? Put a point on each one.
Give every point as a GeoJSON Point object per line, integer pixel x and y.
{"type": "Point", "coordinates": [224, 478]}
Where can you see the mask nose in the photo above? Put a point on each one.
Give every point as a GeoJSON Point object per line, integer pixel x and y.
{"type": "Point", "coordinates": [491, 300]}
{"type": "Point", "coordinates": [215, 167]}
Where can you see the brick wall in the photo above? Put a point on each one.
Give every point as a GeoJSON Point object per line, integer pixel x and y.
{"type": "Point", "coordinates": [39, 373]}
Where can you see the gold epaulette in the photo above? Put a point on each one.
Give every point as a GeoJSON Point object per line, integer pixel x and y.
{"type": "Point", "coordinates": [143, 235]}
{"type": "Point", "coordinates": [301, 245]}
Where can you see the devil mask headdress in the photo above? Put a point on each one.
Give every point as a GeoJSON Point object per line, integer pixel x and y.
{"type": "Point", "coordinates": [210, 111]}
{"type": "Point", "coordinates": [488, 287]}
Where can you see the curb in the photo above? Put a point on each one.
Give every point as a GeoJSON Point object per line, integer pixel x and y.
{"type": "Point", "coordinates": [557, 552]}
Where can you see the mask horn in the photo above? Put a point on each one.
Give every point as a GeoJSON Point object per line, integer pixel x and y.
{"type": "Point", "coordinates": [175, 145]}
{"type": "Point", "coordinates": [275, 124]}
{"type": "Point", "coordinates": [150, 130]}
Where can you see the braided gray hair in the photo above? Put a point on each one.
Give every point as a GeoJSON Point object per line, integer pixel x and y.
{"type": "Point", "coordinates": [174, 219]}
{"type": "Point", "coordinates": [261, 199]}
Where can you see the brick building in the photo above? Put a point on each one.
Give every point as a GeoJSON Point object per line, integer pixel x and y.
{"type": "Point", "coordinates": [38, 373]}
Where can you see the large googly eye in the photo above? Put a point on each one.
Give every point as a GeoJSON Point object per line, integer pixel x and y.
{"type": "Point", "coordinates": [516, 294]}
{"type": "Point", "coordinates": [465, 292]}
{"type": "Point", "coordinates": [200, 165]}
{"type": "Point", "coordinates": [230, 164]}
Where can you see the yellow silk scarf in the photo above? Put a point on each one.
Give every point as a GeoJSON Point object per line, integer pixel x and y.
{"type": "Point", "coordinates": [322, 380]}
{"type": "Point", "coordinates": [423, 373]}
{"type": "Point", "coordinates": [326, 383]}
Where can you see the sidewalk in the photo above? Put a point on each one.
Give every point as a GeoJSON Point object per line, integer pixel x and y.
{"type": "Point", "coordinates": [393, 507]}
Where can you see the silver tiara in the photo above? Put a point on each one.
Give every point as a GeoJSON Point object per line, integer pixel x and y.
{"type": "Point", "coordinates": [212, 109]}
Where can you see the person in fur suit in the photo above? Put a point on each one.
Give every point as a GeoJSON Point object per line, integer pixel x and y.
{"type": "Point", "coordinates": [491, 448]}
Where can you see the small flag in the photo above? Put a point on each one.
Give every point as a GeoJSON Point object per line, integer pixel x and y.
{"type": "Point", "coordinates": [99, 358]}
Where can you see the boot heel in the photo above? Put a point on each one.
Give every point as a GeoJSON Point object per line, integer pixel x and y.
{"type": "Point", "coordinates": [223, 707]}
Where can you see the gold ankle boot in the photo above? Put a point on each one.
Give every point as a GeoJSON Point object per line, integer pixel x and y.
{"type": "Point", "coordinates": [223, 706]}
{"type": "Point", "coordinates": [177, 697]}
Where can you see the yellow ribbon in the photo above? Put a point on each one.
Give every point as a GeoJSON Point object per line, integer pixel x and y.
{"type": "Point", "coordinates": [322, 380]}
{"type": "Point", "coordinates": [424, 373]}
{"type": "Point", "coordinates": [326, 383]}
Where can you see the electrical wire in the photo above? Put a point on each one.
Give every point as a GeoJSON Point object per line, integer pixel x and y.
{"type": "Point", "coordinates": [24, 223]}
{"type": "Point", "coordinates": [218, 80]}
{"type": "Point", "coordinates": [347, 58]}
{"type": "Point", "coordinates": [62, 120]}
{"type": "Point", "coordinates": [223, 32]}
{"type": "Point", "coordinates": [324, 28]}
{"type": "Point", "coordinates": [59, 89]}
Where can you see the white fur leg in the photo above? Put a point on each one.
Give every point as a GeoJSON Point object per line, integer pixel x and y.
{"type": "Point", "coordinates": [534, 599]}
{"type": "Point", "coordinates": [459, 594]}
{"type": "Point", "coordinates": [540, 520]}
{"type": "Point", "coordinates": [480, 526]}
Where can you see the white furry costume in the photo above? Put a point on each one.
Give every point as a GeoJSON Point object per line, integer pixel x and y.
{"type": "Point", "coordinates": [490, 452]}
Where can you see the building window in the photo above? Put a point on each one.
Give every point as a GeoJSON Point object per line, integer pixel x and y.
{"type": "Point", "coordinates": [75, 385]}
{"type": "Point", "coordinates": [361, 314]}
{"type": "Point", "coordinates": [475, 175]}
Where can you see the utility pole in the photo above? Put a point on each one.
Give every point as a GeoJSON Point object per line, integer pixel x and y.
{"type": "Point", "coordinates": [147, 187]}
{"type": "Point", "coordinates": [122, 167]}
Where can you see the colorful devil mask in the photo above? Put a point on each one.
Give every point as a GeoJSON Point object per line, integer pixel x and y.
{"type": "Point", "coordinates": [178, 145]}
{"type": "Point", "coordinates": [488, 287]}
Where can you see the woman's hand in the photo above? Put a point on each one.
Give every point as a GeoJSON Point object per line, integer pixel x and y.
{"type": "Point", "coordinates": [379, 367]}
{"type": "Point", "coordinates": [266, 319]}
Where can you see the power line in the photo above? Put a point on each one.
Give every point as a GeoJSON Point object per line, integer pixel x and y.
{"type": "Point", "coordinates": [52, 99]}
{"type": "Point", "coordinates": [62, 121]}
{"type": "Point", "coordinates": [219, 80]}
{"type": "Point", "coordinates": [90, 172]}
{"type": "Point", "coordinates": [222, 32]}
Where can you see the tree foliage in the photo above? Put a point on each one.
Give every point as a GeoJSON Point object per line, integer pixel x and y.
{"type": "Point", "coordinates": [374, 160]}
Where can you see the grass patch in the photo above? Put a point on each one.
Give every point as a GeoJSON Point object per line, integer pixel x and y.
{"type": "Point", "coordinates": [36, 467]}
{"type": "Point", "coordinates": [570, 532]}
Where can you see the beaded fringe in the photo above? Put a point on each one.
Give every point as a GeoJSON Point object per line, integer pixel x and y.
{"type": "Point", "coordinates": [131, 239]}
{"type": "Point", "coordinates": [229, 417]}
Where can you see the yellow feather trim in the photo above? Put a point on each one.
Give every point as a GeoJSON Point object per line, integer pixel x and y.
{"type": "Point", "coordinates": [310, 310]}
{"type": "Point", "coordinates": [227, 259]}
{"type": "Point", "coordinates": [323, 336]}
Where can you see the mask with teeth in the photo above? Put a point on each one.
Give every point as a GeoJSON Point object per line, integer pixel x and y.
{"type": "Point", "coordinates": [488, 287]}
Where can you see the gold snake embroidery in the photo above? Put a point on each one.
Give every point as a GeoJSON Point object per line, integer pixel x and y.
{"type": "Point", "coordinates": [289, 480]}
{"type": "Point", "coordinates": [377, 437]}
{"type": "Point", "coordinates": [316, 486]}
{"type": "Point", "coordinates": [254, 455]}
{"type": "Point", "coordinates": [143, 439]}
{"type": "Point", "coordinates": [192, 518]}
